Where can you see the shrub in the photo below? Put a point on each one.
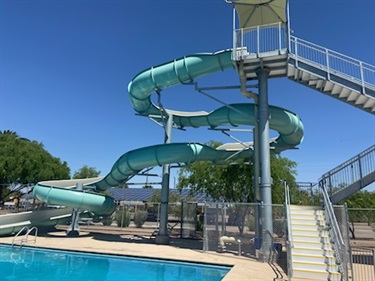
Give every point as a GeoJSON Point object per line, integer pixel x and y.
{"type": "Point", "coordinates": [279, 227]}
{"type": "Point", "coordinates": [251, 223]}
{"type": "Point", "coordinates": [107, 220]}
{"type": "Point", "coordinates": [122, 218]}
{"type": "Point", "coordinates": [140, 218]}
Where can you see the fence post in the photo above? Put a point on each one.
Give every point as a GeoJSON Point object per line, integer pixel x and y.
{"type": "Point", "coordinates": [205, 234]}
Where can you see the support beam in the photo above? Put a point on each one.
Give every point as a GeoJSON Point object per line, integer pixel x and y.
{"type": "Point", "coordinates": [265, 166]}
{"type": "Point", "coordinates": [163, 236]}
{"type": "Point", "coordinates": [73, 228]}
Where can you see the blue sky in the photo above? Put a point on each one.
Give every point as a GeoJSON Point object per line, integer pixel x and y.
{"type": "Point", "coordinates": [65, 67]}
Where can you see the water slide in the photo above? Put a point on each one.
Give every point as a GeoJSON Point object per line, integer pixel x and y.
{"type": "Point", "coordinates": [180, 71]}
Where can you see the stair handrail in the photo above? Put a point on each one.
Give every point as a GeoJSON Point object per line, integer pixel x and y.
{"type": "Point", "coordinates": [335, 233]}
{"type": "Point", "coordinates": [287, 212]}
{"type": "Point", "coordinates": [334, 63]}
{"type": "Point", "coordinates": [25, 238]}
{"type": "Point", "coordinates": [289, 233]}
{"type": "Point", "coordinates": [350, 171]}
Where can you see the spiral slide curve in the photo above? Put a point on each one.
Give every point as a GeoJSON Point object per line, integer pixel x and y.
{"type": "Point", "coordinates": [157, 78]}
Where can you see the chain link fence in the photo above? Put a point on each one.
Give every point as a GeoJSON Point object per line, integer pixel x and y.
{"type": "Point", "coordinates": [362, 223]}
{"type": "Point", "coordinates": [237, 228]}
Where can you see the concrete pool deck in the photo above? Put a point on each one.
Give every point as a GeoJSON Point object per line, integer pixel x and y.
{"type": "Point", "coordinates": [243, 268]}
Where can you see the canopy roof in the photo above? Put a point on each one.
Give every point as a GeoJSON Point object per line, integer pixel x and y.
{"type": "Point", "coordinates": [260, 12]}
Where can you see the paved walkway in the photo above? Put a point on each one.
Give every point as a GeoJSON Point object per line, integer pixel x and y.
{"type": "Point", "coordinates": [142, 246]}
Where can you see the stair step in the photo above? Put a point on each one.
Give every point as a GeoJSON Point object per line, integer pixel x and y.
{"type": "Point", "coordinates": [313, 251]}
{"type": "Point", "coordinates": [304, 207]}
{"type": "Point", "coordinates": [306, 216]}
{"type": "Point", "coordinates": [321, 266]}
{"type": "Point", "coordinates": [309, 237]}
{"type": "Point", "coordinates": [311, 244]}
{"type": "Point", "coordinates": [309, 222]}
{"type": "Point", "coordinates": [308, 227]}
{"type": "Point", "coordinates": [316, 274]}
{"type": "Point", "coordinates": [297, 231]}
{"type": "Point", "coordinates": [331, 259]}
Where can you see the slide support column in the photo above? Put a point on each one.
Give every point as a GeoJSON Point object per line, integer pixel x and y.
{"type": "Point", "coordinates": [265, 166]}
{"type": "Point", "coordinates": [73, 229]}
{"type": "Point", "coordinates": [163, 236]}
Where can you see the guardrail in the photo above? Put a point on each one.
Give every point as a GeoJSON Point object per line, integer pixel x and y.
{"type": "Point", "coordinates": [350, 171]}
{"type": "Point", "coordinates": [289, 233]}
{"type": "Point", "coordinates": [335, 233]}
{"type": "Point", "coordinates": [363, 260]}
{"type": "Point", "coordinates": [269, 38]}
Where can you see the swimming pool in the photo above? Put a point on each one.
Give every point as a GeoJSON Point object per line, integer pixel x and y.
{"type": "Point", "coordinates": [41, 265]}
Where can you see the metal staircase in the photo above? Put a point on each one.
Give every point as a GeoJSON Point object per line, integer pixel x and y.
{"type": "Point", "coordinates": [313, 253]}
{"type": "Point", "coordinates": [351, 176]}
{"type": "Point", "coordinates": [331, 73]}
{"type": "Point", "coordinates": [316, 247]}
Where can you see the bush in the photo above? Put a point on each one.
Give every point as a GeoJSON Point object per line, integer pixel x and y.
{"type": "Point", "coordinates": [251, 223]}
{"type": "Point", "coordinates": [124, 216]}
{"type": "Point", "coordinates": [140, 218]}
{"type": "Point", "coordinates": [107, 220]}
{"type": "Point", "coordinates": [279, 227]}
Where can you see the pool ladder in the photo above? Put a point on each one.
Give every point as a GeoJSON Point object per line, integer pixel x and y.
{"type": "Point", "coordinates": [25, 238]}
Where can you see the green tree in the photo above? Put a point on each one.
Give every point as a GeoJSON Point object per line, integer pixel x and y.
{"type": "Point", "coordinates": [360, 200]}
{"type": "Point", "coordinates": [86, 172]}
{"type": "Point", "coordinates": [234, 182]}
{"type": "Point", "coordinates": [24, 162]}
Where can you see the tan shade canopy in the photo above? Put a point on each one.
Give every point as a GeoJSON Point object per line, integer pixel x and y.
{"type": "Point", "coordinates": [259, 12]}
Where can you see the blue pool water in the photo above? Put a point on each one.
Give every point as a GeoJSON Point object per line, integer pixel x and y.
{"type": "Point", "coordinates": [33, 264]}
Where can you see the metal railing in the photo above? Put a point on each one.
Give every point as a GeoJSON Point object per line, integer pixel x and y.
{"type": "Point", "coordinates": [25, 238]}
{"type": "Point", "coordinates": [289, 233]}
{"type": "Point", "coordinates": [260, 40]}
{"type": "Point", "coordinates": [350, 171]}
{"type": "Point", "coordinates": [335, 233]}
{"type": "Point", "coordinates": [363, 260]}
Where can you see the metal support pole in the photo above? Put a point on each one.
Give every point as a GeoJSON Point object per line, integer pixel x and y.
{"type": "Point", "coordinates": [264, 157]}
{"type": "Point", "coordinates": [163, 236]}
{"type": "Point", "coordinates": [257, 197]}
{"type": "Point", "coordinates": [73, 228]}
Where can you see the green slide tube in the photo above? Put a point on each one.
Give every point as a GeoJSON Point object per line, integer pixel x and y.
{"type": "Point", "coordinates": [186, 69]}
{"type": "Point", "coordinates": [157, 78]}
{"type": "Point", "coordinates": [99, 204]}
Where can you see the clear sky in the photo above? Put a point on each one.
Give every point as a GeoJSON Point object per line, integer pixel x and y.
{"type": "Point", "coordinates": [65, 67]}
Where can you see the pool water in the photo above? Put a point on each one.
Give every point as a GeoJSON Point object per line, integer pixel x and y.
{"type": "Point", "coordinates": [33, 264]}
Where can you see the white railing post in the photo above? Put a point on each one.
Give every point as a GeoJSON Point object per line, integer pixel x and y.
{"type": "Point", "coordinates": [296, 50]}
{"type": "Point", "coordinates": [280, 36]}
{"type": "Point", "coordinates": [328, 67]}
{"type": "Point", "coordinates": [242, 42]}
{"type": "Point", "coordinates": [362, 77]}
{"type": "Point", "coordinates": [258, 39]}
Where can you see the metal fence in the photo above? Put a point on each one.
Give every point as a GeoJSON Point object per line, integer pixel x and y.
{"type": "Point", "coordinates": [362, 223]}
{"type": "Point", "coordinates": [363, 260]}
{"type": "Point", "coordinates": [182, 216]}
{"type": "Point", "coordinates": [237, 228]}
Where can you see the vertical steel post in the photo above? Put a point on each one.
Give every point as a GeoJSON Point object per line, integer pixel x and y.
{"type": "Point", "coordinates": [73, 228]}
{"type": "Point", "coordinates": [264, 157]}
{"type": "Point", "coordinates": [257, 197]}
{"type": "Point", "coordinates": [163, 236]}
